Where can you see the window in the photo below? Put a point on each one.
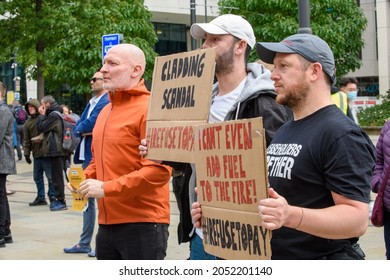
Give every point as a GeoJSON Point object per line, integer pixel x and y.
{"type": "Point", "coordinates": [171, 38]}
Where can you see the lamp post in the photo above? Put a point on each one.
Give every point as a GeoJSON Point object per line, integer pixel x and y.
{"type": "Point", "coordinates": [193, 20]}
{"type": "Point", "coordinates": [16, 80]}
{"type": "Point", "coordinates": [304, 16]}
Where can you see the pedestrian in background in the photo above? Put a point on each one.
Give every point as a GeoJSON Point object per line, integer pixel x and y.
{"type": "Point", "coordinates": [382, 166]}
{"type": "Point", "coordinates": [7, 165]}
{"type": "Point", "coordinates": [132, 192]}
{"type": "Point", "coordinates": [71, 118]}
{"type": "Point", "coordinates": [21, 117]}
{"type": "Point", "coordinates": [83, 155]}
{"type": "Point", "coordinates": [50, 124]}
{"type": "Point", "coordinates": [41, 164]}
{"type": "Point", "coordinates": [349, 87]}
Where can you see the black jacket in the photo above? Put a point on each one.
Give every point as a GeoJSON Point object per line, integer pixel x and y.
{"type": "Point", "coordinates": [51, 126]}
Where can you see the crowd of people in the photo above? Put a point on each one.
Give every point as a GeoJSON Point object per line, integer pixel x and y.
{"type": "Point", "coordinates": [31, 130]}
{"type": "Point", "coordinates": [317, 209]}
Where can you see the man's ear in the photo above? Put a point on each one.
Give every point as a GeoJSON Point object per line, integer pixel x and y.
{"type": "Point", "coordinates": [241, 46]}
{"type": "Point", "coordinates": [137, 70]}
{"type": "Point", "coordinates": [316, 71]}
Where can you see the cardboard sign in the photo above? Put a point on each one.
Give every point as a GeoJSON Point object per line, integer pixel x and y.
{"type": "Point", "coordinates": [235, 235]}
{"type": "Point", "coordinates": [180, 99]}
{"type": "Point", "coordinates": [174, 141]}
{"type": "Point", "coordinates": [231, 173]}
{"type": "Point", "coordinates": [76, 176]}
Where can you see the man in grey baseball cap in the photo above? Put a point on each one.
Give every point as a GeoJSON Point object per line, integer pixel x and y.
{"type": "Point", "coordinates": [311, 47]}
{"type": "Point", "coordinates": [321, 201]}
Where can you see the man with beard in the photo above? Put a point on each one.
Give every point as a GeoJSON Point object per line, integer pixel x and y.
{"type": "Point", "coordinates": [242, 91]}
{"type": "Point", "coordinates": [132, 192]}
{"type": "Point", "coordinates": [317, 207]}
{"type": "Point", "coordinates": [318, 202]}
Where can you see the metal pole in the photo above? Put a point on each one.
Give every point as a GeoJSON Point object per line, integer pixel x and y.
{"type": "Point", "coordinates": [205, 10]}
{"type": "Point", "coordinates": [15, 79]}
{"type": "Point", "coordinates": [193, 20]}
{"type": "Point", "coordinates": [304, 16]}
{"type": "Point", "coordinates": [15, 66]}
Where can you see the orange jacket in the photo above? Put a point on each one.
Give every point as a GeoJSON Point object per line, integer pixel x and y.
{"type": "Point", "coordinates": [136, 189]}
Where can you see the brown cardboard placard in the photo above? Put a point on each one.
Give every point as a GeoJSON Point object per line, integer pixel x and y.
{"type": "Point", "coordinates": [231, 175]}
{"type": "Point", "coordinates": [172, 141]}
{"type": "Point", "coordinates": [181, 86]}
{"type": "Point", "coordinates": [231, 164]}
{"type": "Point", "coordinates": [235, 235]}
{"type": "Point", "coordinates": [181, 91]}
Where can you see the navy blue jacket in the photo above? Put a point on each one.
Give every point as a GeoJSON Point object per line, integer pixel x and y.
{"type": "Point", "coordinates": [86, 125]}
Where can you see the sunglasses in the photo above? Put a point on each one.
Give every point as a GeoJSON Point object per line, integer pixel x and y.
{"type": "Point", "coordinates": [94, 79]}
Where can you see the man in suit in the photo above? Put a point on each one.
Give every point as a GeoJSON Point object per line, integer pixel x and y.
{"type": "Point", "coordinates": [83, 155]}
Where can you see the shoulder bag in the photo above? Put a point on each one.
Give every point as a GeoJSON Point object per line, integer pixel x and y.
{"type": "Point", "coordinates": [378, 209]}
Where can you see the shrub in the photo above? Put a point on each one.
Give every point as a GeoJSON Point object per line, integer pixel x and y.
{"type": "Point", "coordinates": [376, 115]}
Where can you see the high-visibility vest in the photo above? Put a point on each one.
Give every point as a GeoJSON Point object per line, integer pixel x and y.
{"type": "Point", "coordinates": [341, 101]}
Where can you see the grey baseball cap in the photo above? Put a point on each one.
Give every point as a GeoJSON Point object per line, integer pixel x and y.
{"type": "Point", "coordinates": [311, 47]}
{"type": "Point", "coordinates": [226, 24]}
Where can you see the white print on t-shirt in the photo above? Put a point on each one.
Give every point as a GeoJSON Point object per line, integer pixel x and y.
{"type": "Point", "coordinates": [284, 149]}
{"type": "Point", "coordinates": [280, 159]}
{"type": "Point", "coordinates": [280, 166]}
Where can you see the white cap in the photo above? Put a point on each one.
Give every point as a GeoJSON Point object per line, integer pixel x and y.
{"type": "Point", "coordinates": [225, 24]}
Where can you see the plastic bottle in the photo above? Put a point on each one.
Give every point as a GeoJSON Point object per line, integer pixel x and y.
{"type": "Point", "coordinates": [67, 139]}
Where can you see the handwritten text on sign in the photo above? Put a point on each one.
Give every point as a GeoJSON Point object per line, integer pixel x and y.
{"type": "Point", "coordinates": [179, 68]}
{"type": "Point", "coordinates": [181, 88]}
{"type": "Point", "coordinates": [180, 99]}
{"type": "Point", "coordinates": [176, 137]}
{"type": "Point", "coordinates": [231, 178]}
{"type": "Point", "coordinates": [231, 164]}
{"type": "Point", "coordinates": [235, 234]}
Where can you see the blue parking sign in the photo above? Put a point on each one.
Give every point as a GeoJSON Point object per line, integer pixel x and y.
{"type": "Point", "coordinates": [110, 40]}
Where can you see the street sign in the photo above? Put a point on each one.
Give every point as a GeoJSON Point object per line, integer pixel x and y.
{"type": "Point", "coordinates": [110, 40]}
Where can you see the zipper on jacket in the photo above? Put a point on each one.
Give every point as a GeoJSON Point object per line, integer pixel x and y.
{"type": "Point", "coordinates": [102, 165]}
{"type": "Point", "coordinates": [237, 110]}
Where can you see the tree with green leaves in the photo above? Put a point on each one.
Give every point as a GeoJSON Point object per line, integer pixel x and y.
{"type": "Point", "coordinates": [340, 23]}
{"type": "Point", "coordinates": [59, 41]}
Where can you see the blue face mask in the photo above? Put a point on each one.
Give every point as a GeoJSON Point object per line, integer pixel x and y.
{"type": "Point", "coordinates": [352, 95]}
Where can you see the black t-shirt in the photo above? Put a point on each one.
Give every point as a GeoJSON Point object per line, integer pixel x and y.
{"type": "Point", "coordinates": [308, 159]}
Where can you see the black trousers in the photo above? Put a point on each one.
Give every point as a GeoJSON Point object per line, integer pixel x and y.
{"type": "Point", "coordinates": [133, 241]}
{"type": "Point", "coordinates": [57, 176]}
{"type": "Point", "coordinates": [5, 215]}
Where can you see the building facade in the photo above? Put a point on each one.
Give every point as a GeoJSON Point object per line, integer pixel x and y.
{"type": "Point", "coordinates": [172, 20]}
{"type": "Point", "coordinates": [373, 76]}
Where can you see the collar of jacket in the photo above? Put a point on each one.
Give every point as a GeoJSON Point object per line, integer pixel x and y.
{"type": "Point", "coordinates": [120, 96]}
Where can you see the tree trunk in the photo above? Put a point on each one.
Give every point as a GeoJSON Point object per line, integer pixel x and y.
{"type": "Point", "coordinates": [40, 80]}
{"type": "Point", "coordinates": [40, 48]}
